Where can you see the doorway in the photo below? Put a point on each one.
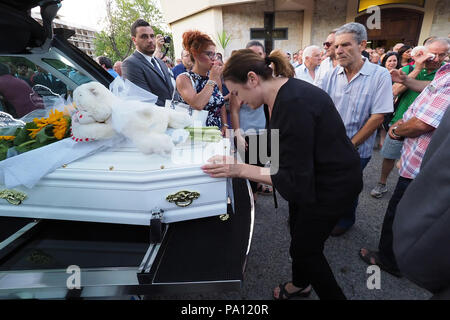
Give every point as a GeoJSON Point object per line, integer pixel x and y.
{"type": "Point", "coordinates": [397, 25]}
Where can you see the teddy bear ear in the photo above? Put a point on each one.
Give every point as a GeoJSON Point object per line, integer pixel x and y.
{"type": "Point", "coordinates": [93, 91]}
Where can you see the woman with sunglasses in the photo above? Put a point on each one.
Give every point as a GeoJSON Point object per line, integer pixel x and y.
{"type": "Point", "coordinates": [201, 87]}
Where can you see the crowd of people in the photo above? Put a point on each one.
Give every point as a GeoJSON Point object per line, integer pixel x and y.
{"type": "Point", "coordinates": [327, 105]}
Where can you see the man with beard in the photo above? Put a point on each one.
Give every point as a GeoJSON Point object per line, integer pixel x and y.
{"type": "Point", "coordinates": [143, 68]}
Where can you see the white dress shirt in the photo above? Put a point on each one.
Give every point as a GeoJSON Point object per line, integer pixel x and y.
{"type": "Point", "coordinates": [302, 73]}
{"type": "Point", "coordinates": [325, 66]}
{"type": "Point", "coordinates": [149, 59]}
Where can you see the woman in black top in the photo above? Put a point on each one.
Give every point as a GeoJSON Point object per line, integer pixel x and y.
{"type": "Point", "coordinates": [316, 168]}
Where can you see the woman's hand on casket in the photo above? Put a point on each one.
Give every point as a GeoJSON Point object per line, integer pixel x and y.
{"type": "Point", "coordinates": [223, 167]}
{"type": "Point", "coordinates": [229, 167]}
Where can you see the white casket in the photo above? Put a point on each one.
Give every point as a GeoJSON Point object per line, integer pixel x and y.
{"type": "Point", "coordinates": [121, 185]}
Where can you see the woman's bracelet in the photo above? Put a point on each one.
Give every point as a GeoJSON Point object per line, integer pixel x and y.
{"type": "Point", "coordinates": [211, 83]}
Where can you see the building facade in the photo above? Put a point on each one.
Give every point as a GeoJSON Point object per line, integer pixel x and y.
{"type": "Point", "coordinates": [294, 24]}
{"type": "Point", "coordinates": [83, 38]}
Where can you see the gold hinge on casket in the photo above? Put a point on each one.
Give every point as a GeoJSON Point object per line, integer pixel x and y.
{"type": "Point", "coordinates": [183, 198]}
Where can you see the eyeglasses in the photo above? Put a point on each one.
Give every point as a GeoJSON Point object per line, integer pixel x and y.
{"type": "Point", "coordinates": [211, 55]}
{"type": "Point", "coordinates": [327, 44]}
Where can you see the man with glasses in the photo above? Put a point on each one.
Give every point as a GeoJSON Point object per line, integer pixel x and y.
{"type": "Point", "coordinates": [143, 68]}
{"type": "Point", "coordinates": [416, 128]}
{"type": "Point", "coordinates": [185, 65]}
{"type": "Point", "coordinates": [424, 71]}
{"type": "Point", "coordinates": [330, 62]}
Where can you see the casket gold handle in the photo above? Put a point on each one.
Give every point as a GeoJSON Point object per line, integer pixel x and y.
{"type": "Point", "coordinates": [14, 197]}
{"type": "Point", "coordinates": [183, 198]}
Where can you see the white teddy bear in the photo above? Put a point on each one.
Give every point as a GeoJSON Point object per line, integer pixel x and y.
{"type": "Point", "coordinates": [92, 121]}
{"type": "Point", "coordinates": [143, 123]}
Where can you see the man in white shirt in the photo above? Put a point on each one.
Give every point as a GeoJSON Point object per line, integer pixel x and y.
{"type": "Point", "coordinates": [311, 60]}
{"type": "Point", "coordinates": [362, 94]}
{"type": "Point", "coordinates": [299, 58]}
{"type": "Point", "coordinates": [330, 63]}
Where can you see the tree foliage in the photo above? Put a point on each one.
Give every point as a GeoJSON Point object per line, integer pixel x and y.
{"type": "Point", "coordinates": [115, 40]}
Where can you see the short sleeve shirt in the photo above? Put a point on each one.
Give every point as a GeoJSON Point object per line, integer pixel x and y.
{"type": "Point", "coordinates": [368, 93]}
{"type": "Point", "coordinates": [429, 107]}
{"type": "Point", "coordinates": [325, 67]}
{"type": "Point", "coordinates": [409, 96]}
{"type": "Point", "coordinates": [302, 73]}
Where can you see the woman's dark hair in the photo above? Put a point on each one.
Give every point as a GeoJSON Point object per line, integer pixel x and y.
{"type": "Point", "coordinates": [243, 61]}
{"type": "Point", "coordinates": [196, 42]}
{"type": "Point", "coordinates": [255, 43]}
{"type": "Point", "coordinates": [390, 54]}
{"type": "Point", "coordinates": [402, 50]}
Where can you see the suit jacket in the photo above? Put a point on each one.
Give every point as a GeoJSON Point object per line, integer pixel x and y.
{"type": "Point", "coordinates": [142, 73]}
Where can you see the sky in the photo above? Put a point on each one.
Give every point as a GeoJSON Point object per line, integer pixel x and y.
{"type": "Point", "coordinates": [83, 12]}
{"type": "Point", "coordinates": [88, 13]}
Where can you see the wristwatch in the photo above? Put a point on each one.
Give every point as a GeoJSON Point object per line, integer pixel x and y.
{"type": "Point", "coordinates": [396, 135]}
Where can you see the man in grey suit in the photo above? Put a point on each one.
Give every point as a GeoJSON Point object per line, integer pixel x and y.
{"type": "Point", "coordinates": [143, 68]}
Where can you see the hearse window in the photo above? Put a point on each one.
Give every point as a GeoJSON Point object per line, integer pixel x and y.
{"type": "Point", "coordinates": [26, 87]}
{"type": "Point", "coordinates": [68, 70]}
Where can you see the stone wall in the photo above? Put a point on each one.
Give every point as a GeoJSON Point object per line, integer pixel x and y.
{"type": "Point", "coordinates": [328, 15]}
{"type": "Point", "coordinates": [208, 21]}
{"type": "Point", "coordinates": [441, 20]}
{"type": "Point", "coordinates": [293, 20]}
{"type": "Point", "coordinates": [238, 19]}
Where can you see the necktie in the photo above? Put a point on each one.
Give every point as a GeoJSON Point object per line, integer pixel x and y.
{"type": "Point", "coordinates": [155, 64]}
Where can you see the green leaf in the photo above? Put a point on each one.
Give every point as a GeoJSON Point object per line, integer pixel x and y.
{"type": "Point", "coordinates": [22, 134]}
{"type": "Point", "coordinates": [4, 146]}
{"type": "Point", "coordinates": [223, 39]}
{"type": "Point", "coordinates": [45, 135]}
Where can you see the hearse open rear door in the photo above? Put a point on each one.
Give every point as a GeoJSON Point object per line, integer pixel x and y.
{"type": "Point", "coordinates": [52, 259]}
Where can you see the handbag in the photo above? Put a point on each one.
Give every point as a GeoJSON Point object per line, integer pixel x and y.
{"type": "Point", "coordinates": [198, 116]}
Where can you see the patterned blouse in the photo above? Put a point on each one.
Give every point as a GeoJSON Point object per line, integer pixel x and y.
{"type": "Point", "coordinates": [215, 103]}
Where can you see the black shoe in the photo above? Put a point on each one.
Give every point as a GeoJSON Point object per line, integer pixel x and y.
{"type": "Point", "coordinates": [339, 231]}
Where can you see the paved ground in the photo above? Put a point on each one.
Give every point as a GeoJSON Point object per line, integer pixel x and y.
{"type": "Point", "coordinates": [268, 262]}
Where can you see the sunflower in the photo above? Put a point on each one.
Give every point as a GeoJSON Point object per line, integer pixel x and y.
{"type": "Point", "coordinates": [7, 138]}
{"type": "Point", "coordinates": [57, 119]}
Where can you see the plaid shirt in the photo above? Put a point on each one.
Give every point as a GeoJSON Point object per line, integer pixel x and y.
{"type": "Point", "coordinates": [429, 107]}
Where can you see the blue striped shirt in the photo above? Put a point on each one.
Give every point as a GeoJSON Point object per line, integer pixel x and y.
{"type": "Point", "coordinates": [369, 92]}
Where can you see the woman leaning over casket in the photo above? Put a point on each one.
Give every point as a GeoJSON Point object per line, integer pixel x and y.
{"type": "Point", "coordinates": [318, 172]}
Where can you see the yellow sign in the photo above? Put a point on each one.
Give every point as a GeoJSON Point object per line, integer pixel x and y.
{"type": "Point", "coordinates": [364, 4]}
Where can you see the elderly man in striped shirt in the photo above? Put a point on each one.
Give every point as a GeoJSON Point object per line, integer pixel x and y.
{"type": "Point", "coordinates": [362, 94]}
